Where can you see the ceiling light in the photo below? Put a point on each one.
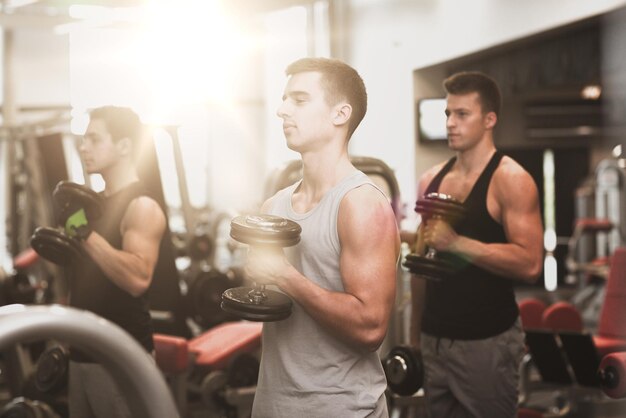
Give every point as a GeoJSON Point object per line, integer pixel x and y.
{"type": "Point", "coordinates": [591, 92]}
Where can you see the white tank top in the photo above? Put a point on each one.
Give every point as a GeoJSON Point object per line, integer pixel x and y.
{"type": "Point", "coordinates": [305, 370]}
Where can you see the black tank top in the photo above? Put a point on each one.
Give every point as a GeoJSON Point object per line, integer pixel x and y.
{"type": "Point", "coordinates": [473, 303]}
{"type": "Point", "coordinates": [91, 290]}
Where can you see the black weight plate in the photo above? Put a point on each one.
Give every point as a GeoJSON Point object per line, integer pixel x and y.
{"type": "Point", "coordinates": [243, 371]}
{"type": "Point", "coordinates": [428, 268]}
{"type": "Point", "coordinates": [201, 246]}
{"type": "Point", "coordinates": [443, 210]}
{"type": "Point", "coordinates": [212, 391]}
{"type": "Point", "coordinates": [18, 408]}
{"type": "Point", "coordinates": [265, 230]}
{"type": "Point", "coordinates": [21, 407]}
{"type": "Point", "coordinates": [72, 195]}
{"type": "Point", "coordinates": [609, 377]}
{"type": "Point", "coordinates": [256, 317]}
{"type": "Point", "coordinates": [18, 289]}
{"type": "Point", "coordinates": [206, 295]}
{"type": "Point", "coordinates": [54, 246]}
{"type": "Point", "coordinates": [51, 370]}
{"type": "Point", "coordinates": [404, 370]}
{"type": "Point", "coordinates": [274, 301]}
{"type": "Point", "coordinates": [275, 307]}
{"type": "Point", "coordinates": [442, 205]}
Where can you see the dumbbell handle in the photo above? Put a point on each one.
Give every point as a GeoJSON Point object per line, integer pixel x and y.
{"type": "Point", "coordinates": [257, 294]}
{"type": "Point", "coordinates": [420, 246]}
{"type": "Point", "coordinates": [396, 369]}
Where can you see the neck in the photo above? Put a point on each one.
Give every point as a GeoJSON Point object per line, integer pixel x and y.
{"type": "Point", "coordinates": [117, 178]}
{"type": "Point", "coordinates": [322, 170]}
{"type": "Point", "coordinates": [475, 158]}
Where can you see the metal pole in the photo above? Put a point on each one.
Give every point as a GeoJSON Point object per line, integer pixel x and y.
{"type": "Point", "coordinates": [182, 178]}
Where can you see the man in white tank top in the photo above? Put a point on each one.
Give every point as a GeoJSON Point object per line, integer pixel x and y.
{"type": "Point", "coordinates": [322, 360]}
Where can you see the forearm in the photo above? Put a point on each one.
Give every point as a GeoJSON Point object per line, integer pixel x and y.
{"type": "Point", "coordinates": [505, 259]}
{"type": "Point", "coordinates": [126, 270]}
{"type": "Point", "coordinates": [350, 319]}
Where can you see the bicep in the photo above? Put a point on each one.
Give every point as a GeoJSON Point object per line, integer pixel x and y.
{"type": "Point", "coordinates": [369, 245]}
{"type": "Point", "coordinates": [143, 227]}
{"type": "Point", "coordinates": [521, 215]}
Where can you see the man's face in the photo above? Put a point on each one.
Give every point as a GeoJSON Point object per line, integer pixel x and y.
{"type": "Point", "coordinates": [465, 123]}
{"type": "Point", "coordinates": [307, 117]}
{"type": "Point", "coordinates": [97, 149]}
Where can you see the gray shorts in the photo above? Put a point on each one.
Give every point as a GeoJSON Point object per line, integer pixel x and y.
{"type": "Point", "coordinates": [473, 378]}
{"type": "Point", "coordinates": [93, 393]}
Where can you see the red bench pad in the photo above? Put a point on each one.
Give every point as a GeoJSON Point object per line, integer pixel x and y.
{"type": "Point", "coordinates": [218, 345]}
{"type": "Point", "coordinates": [172, 353]}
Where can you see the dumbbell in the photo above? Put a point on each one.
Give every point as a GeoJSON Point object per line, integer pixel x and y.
{"type": "Point", "coordinates": [204, 295]}
{"type": "Point", "coordinates": [69, 197]}
{"type": "Point", "coordinates": [53, 244]}
{"type": "Point", "coordinates": [25, 408]}
{"type": "Point", "coordinates": [435, 206]}
{"type": "Point", "coordinates": [404, 370]}
{"type": "Point", "coordinates": [17, 288]}
{"type": "Point", "coordinates": [51, 371]}
{"type": "Point", "coordinates": [257, 303]}
{"type": "Point", "coordinates": [220, 388]}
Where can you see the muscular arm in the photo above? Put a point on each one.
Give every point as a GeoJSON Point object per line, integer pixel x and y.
{"type": "Point", "coordinates": [369, 253]}
{"type": "Point", "coordinates": [516, 200]}
{"type": "Point", "coordinates": [131, 267]}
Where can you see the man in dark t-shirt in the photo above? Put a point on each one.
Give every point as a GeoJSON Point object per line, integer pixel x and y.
{"type": "Point", "coordinates": [122, 249]}
{"type": "Point", "coordinates": [467, 325]}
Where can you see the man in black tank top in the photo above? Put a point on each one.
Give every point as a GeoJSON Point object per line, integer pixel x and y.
{"type": "Point", "coordinates": [122, 248]}
{"type": "Point", "coordinates": [467, 326]}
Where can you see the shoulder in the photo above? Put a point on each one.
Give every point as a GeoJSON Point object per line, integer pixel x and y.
{"type": "Point", "coordinates": [365, 202]}
{"type": "Point", "coordinates": [365, 219]}
{"type": "Point", "coordinates": [144, 202]}
{"type": "Point", "coordinates": [427, 177]}
{"type": "Point", "coordinates": [510, 171]}
{"type": "Point", "coordinates": [268, 204]}
{"type": "Point", "coordinates": [511, 179]}
{"type": "Point", "coordinates": [145, 207]}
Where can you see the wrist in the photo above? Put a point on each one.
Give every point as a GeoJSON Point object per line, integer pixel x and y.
{"type": "Point", "coordinates": [285, 277]}
{"type": "Point", "coordinates": [83, 233]}
{"type": "Point", "coordinates": [456, 245]}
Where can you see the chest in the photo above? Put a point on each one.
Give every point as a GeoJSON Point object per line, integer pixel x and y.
{"type": "Point", "coordinates": [460, 186]}
{"type": "Point", "coordinates": [457, 185]}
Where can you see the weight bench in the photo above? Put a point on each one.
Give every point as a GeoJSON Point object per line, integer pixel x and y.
{"type": "Point", "coordinates": [213, 351]}
{"type": "Point", "coordinates": [564, 358]}
{"type": "Point", "coordinates": [565, 355]}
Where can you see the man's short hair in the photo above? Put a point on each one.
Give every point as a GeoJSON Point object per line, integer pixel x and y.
{"type": "Point", "coordinates": [466, 82]}
{"type": "Point", "coordinates": [121, 122]}
{"type": "Point", "coordinates": [340, 82]}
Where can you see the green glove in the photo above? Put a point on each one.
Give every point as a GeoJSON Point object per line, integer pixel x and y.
{"type": "Point", "coordinates": [77, 226]}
